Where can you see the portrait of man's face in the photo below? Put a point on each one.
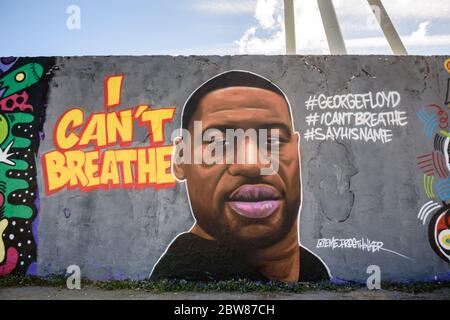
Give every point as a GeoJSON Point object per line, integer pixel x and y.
{"type": "Point", "coordinates": [235, 202]}
{"type": "Point", "coordinates": [245, 209]}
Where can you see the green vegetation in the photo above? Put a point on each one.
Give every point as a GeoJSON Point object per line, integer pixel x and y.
{"type": "Point", "coordinates": [241, 286]}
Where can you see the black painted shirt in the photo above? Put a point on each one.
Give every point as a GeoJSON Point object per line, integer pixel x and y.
{"type": "Point", "coordinates": [193, 258]}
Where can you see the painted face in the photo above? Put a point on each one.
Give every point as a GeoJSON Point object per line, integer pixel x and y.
{"type": "Point", "coordinates": [439, 233]}
{"type": "Point", "coordinates": [236, 202]}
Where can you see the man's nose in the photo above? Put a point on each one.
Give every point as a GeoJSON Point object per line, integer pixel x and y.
{"type": "Point", "coordinates": [246, 170]}
{"type": "Point", "coordinates": [252, 163]}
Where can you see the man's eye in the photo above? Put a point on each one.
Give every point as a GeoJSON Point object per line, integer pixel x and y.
{"type": "Point", "coordinates": [220, 142]}
{"type": "Point", "coordinates": [273, 141]}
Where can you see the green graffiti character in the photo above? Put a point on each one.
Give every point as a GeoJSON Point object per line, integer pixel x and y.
{"type": "Point", "coordinates": [13, 175]}
{"type": "Point", "coordinates": [21, 78]}
{"type": "Point", "coordinates": [4, 129]}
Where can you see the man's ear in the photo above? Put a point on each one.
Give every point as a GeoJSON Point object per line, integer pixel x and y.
{"type": "Point", "coordinates": [178, 165]}
{"type": "Point", "coordinates": [297, 136]}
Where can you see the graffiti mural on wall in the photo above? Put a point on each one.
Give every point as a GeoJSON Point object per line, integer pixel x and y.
{"type": "Point", "coordinates": [246, 220]}
{"type": "Point", "coordinates": [447, 68]}
{"type": "Point", "coordinates": [107, 183]}
{"type": "Point", "coordinates": [21, 116]}
{"type": "Point", "coordinates": [435, 167]}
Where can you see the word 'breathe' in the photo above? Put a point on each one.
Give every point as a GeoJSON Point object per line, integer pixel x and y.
{"type": "Point", "coordinates": [98, 168]}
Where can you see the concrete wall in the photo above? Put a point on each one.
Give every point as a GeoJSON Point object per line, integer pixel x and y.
{"type": "Point", "coordinates": [364, 190]}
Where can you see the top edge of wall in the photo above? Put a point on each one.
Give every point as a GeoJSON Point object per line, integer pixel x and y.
{"type": "Point", "coordinates": [239, 55]}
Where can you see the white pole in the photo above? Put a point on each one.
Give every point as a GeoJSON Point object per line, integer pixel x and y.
{"type": "Point", "coordinates": [332, 28]}
{"type": "Point", "coordinates": [289, 26]}
{"type": "Point", "coordinates": [388, 27]}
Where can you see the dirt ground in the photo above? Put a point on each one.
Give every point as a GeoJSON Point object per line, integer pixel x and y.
{"type": "Point", "coordinates": [92, 293]}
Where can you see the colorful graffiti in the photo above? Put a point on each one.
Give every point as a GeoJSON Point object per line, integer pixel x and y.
{"type": "Point", "coordinates": [435, 167]}
{"type": "Point", "coordinates": [243, 222]}
{"type": "Point", "coordinates": [70, 167]}
{"type": "Point", "coordinates": [19, 139]}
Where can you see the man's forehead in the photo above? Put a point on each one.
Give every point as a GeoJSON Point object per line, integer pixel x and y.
{"type": "Point", "coordinates": [241, 101]}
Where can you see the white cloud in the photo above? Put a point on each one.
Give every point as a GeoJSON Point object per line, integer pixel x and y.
{"type": "Point", "coordinates": [419, 38]}
{"type": "Point", "coordinates": [409, 41]}
{"type": "Point", "coordinates": [418, 9]}
{"type": "Point", "coordinates": [422, 32]}
{"type": "Point", "coordinates": [252, 44]}
{"type": "Point", "coordinates": [265, 12]}
{"type": "Point", "coordinates": [359, 26]}
{"type": "Point", "coordinates": [225, 6]}
{"type": "Point", "coordinates": [399, 9]}
{"type": "Point", "coordinates": [268, 36]}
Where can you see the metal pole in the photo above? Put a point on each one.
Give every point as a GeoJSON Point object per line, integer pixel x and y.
{"type": "Point", "coordinates": [289, 26]}
{"type": "Point", "coordinates": [332, 28]}
{"type": "Point", "coordinates": [388, 27]}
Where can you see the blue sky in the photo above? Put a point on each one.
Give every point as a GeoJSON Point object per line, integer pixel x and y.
{"type": "Point", "coordinates": [184, 27]}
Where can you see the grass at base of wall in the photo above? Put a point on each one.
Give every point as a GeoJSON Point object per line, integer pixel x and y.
{"type": "Point", "coordinates": [222, 286]}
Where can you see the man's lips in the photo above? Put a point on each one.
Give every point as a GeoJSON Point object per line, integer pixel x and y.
{"type": "Point", "coordinates": [255, 201]}
{"type": "Point", "coordinates": [255, 210]}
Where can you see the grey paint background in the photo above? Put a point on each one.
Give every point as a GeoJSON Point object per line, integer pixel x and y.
{"type": "Point", "coordinates": [122, 233]}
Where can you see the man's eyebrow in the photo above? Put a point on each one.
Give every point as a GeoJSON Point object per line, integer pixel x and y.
{"type": "Point", "coordinates": [247, 108]}
{"type": "Point", "coordinates": [223, 128]}
{"type": "Point", "coordinates": [281, 126]}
